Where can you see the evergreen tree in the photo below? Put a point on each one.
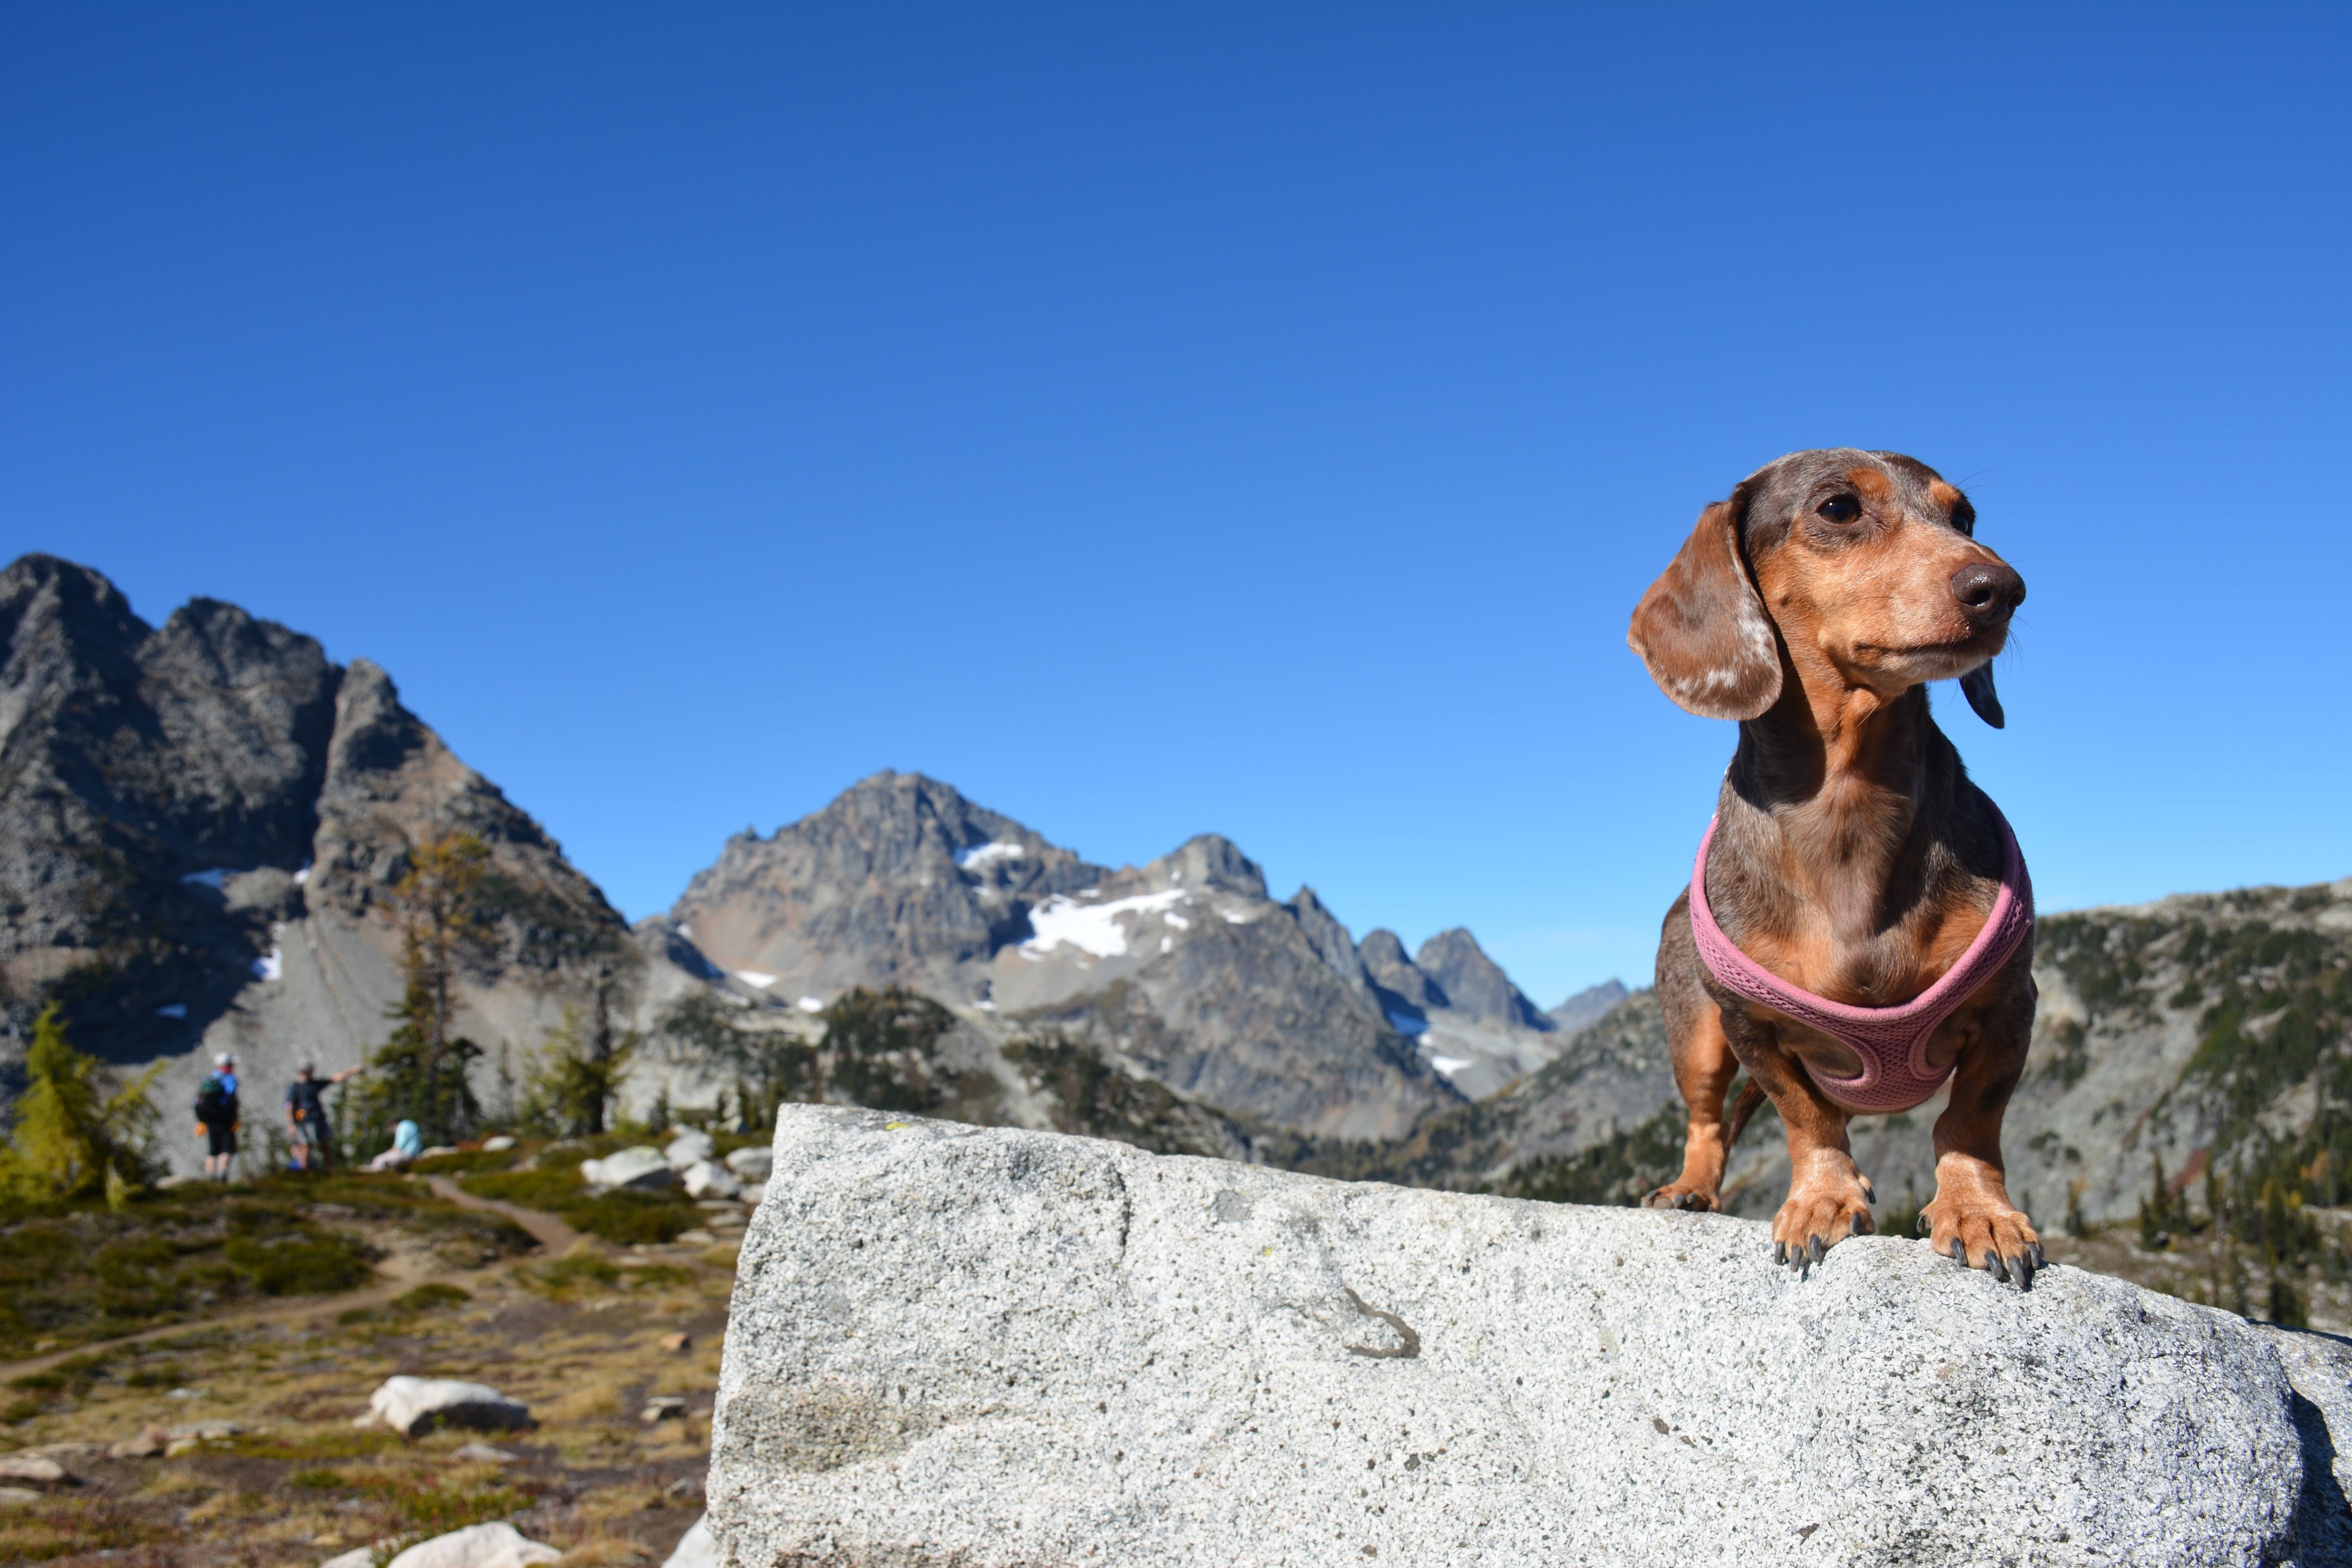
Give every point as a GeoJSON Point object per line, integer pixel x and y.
{"type": "Point", "coordinates": [72, 1137]}
{"type": "Point", "coordinates": [421, 1073]}
{"type": "Point", "coordinates": [573, 1080]}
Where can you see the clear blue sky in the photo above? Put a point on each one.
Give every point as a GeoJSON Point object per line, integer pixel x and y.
{"type": "Point", "coordinates": [1247, 419]}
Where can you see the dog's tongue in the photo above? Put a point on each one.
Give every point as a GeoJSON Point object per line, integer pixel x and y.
{"type": "Point", "coordinates": [1976, 687]}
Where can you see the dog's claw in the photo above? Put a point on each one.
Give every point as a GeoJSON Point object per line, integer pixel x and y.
{"type": "Point", "coordinates": [1816, 1248]}
{"type": "Point", "coordinates": [1923, 1225]}
{"type": "Point", "coordinates": [1999, 1264]}
{"type": "Point", "coordinates": [1780, 1253]}
{"type": "Point", "coordinates": [1959, 1253]}
{"type": "Point", "coordinates": [2022, 1267]}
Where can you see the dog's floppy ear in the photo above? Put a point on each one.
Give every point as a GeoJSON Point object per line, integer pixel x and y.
{"type": "Point", "coordinates": [1976, 687]}
{"type": "Point", "coordinates": [1701, 629]}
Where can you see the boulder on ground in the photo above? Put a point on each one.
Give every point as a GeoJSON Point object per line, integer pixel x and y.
{"type": "Point", "coordinates": [709, 1179]}
{"type": "Point", "coordinates": [689, 1148]}
{"type": "Point", "coordinates": [18, 1497]}
{"type": "Point", "coordinates": [498, 1145]}
{"type": "Point", "coordinates": [642, 1167]}
{"type": "Point", "coordinates": [412, 1406]}
{"type": "Point", "coordinates": [989, 1347]}
{"type": "Point", "coordinates": [30, 1468]}
{"type": "Point", "coordinates": [752, 1163]}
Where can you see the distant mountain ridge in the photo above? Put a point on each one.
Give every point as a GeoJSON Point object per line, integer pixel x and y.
{"type": "Point", "coordinates": [1185, 970]}
{"type": "Point", "coordinates": [200, 825]}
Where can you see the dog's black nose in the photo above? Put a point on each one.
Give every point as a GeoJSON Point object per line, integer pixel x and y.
{"type": "Point", "coordinates": [1987, 588]}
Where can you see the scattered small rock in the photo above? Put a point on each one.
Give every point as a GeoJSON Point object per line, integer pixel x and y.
{"type": "Point", "coordinates": [150, 1444]}
{"type": "Point", "coordinates": [499, 1546]}
{"type": "Point", "coordinates": [663, 1407]}
{"type": "Point", "coordinates": [696, 1549]}
{"type": "Point", "coordinates": [680, 1489]}
{"type": "Point", "coordinates": [728, 1219]}
{"type": "Point", "coordinates": [754, 1194]}
{"type": "Point", "coordinates": [642, 1167]}
{"type": "Point", "coordinates": [679, 1341]}
{"type": "Point", "coordinates": [498, 1145]}
{"type": "Point", "coordinates": [755, 1163]}
{"type": "Point", "coordinates": [17, 1497]}
{"type": "Point", "coordinates": [359, 1557]}
{"type": "Point", "coordinates": [205, 1431]}
{"type": "Point", "coordinates": [185, 1393]}
{"type": "Point", "coordinates": [412, 1406]}
{"type": "Point", "coordinates": [689, 1148]}
{"type": "Point", "coordinates": [438, 1149]}
{"type": "Point", "coordinates": [708, 1179]}
{"type": "Point", "coordinates": [483, 1454]}
{"type": "Point", "coordinates": [30, 1468]}
{"type": "Point", "coordinates": [697, 1237]}
{"type": "Point", "coordinates": [179, 1445]}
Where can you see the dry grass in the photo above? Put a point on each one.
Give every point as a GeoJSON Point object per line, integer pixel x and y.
{"type": "Point", "coordinates": [298, 1483]}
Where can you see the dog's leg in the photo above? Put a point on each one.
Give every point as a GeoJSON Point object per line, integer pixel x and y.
{"type": "Point", "coordinates": [1829, 1197]}
{"type": "Point", "coordinates": [1704, 1068]}
{"type": "Point", "coordinates": [1972, 1219]}
{"type": "Point", "coordinates": [1704, 1065]}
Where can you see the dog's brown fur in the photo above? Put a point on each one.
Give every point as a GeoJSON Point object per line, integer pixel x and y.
{"type": "Point", "coordinates": [1854, 859]}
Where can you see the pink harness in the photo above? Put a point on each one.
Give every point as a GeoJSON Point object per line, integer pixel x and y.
{"type": "Point", "coordinates": [1891, 1041]}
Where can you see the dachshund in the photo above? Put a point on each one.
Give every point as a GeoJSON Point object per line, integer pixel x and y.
{"type": "Point", "coordinates": [1862, 925]}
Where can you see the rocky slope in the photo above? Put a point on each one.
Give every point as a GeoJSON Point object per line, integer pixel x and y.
{"type": "Point", "coordinates": [1184, 971]}
{"type": "Point", "coordinates": [199, 827]}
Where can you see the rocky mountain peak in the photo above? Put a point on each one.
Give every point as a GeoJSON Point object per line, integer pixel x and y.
{"type": "Point", "coordinates": [166, 795]}
{"type": "Point", "coordinates": [1383, 957]}
{"type": "Point", "coordinates": [1475, 984]}
{"type": "Point", "coordinates": [1330, 941]}
{"type": "Point", "coordinates": [1212, 860]}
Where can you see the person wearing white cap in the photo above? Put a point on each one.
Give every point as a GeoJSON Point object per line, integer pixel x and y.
{"type": "Point", "coordinates": [216, 1117]}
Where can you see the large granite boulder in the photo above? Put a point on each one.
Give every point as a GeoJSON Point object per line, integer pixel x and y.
{"type": "Point", "coordinates": [983, 1346]}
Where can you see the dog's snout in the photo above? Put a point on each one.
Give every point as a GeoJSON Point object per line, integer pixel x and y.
{"type": "Point", "coordinates": [1987, 588]}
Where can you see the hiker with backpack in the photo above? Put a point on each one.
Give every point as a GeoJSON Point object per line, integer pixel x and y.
{"type": "Point", "coordinates": [216, 1117]}
{"type": "Point", "coordinates": [306, 1116]}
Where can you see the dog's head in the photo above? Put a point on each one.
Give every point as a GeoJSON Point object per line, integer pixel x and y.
{"type": "Point", "coordinates": [1864, 560]}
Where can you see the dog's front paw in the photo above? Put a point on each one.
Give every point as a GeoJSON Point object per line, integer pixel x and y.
{"type": "Point", "coordinates": [1816, 1219]}
{"type": "Point", "coordinates": [1682, 1196]}
{"type": "Point", "coordinates": [1983, 1232]}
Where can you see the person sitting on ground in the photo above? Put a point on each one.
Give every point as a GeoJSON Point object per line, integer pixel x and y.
{"type": "Point", "coordinates": [218, 1117]}
{"type": "Point", "coordinates": [407, 1143]}
{"type": "Point", "coordinates": [306, 1116]}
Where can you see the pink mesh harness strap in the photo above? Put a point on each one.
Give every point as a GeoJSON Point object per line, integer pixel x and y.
{"type": "Point", "coordinates": [1891, 1041]}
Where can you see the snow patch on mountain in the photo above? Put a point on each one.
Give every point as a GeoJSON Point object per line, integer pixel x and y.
{"type": "Point", "coordinates": [1092, 928]}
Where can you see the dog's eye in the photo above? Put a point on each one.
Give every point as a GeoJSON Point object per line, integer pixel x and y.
{"type": "Point", "coordinates": [1840, 509]}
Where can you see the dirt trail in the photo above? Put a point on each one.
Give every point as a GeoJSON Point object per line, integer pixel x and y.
{"type": "Point", "coordinates": [400, 1273]}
